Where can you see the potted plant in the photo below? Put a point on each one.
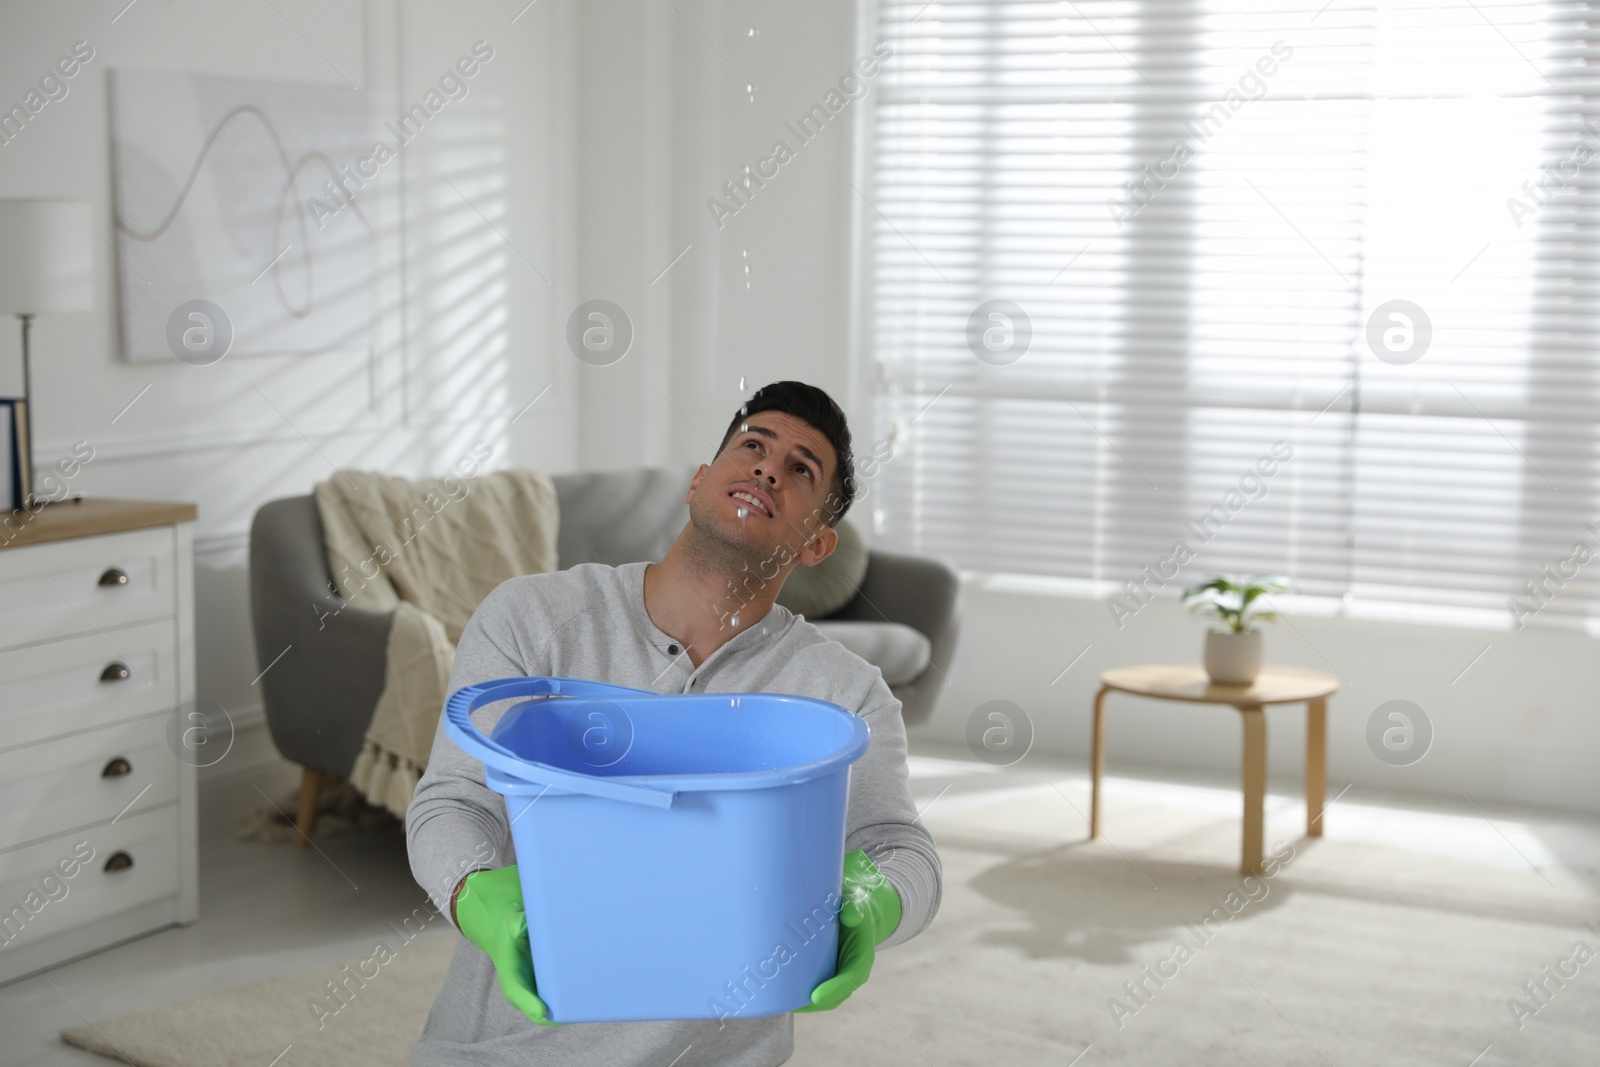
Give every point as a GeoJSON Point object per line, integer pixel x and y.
{"type": "Point", "coordinates": [1233, 649]}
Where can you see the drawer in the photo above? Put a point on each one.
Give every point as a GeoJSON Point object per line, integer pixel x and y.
{"type": "Point", "coordinates": [78, 683]}
{"type": "Point", "coordinates": [49, 788]}
{"type": "Point", "coordinates": [62, 588]}
{"type": "Point", "coordinates": [38, 899]}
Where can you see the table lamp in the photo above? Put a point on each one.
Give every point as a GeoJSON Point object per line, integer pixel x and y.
{"type": "Point", "coordinates": [46, 261]}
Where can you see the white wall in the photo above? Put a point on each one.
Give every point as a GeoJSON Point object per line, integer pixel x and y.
{"type": "Point", "coordinates": [665, 118]}
{"type": "Point", "coordinates": [1513, 713]}
{"type": "Point", "coordinates": [592, 141]}
{"type": "Point", "coordinates": [464, 321]}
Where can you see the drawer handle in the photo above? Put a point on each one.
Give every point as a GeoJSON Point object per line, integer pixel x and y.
{"type": "Point", "coordinates": [117, 768]}
{"type": "Point", "coordinates": [114, 576]}
{"type": "Point", "coordinates": [115, 672]}
{"type": "Point", "coordinates": [119, 861]}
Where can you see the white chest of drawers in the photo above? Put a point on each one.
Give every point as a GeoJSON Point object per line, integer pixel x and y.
{"type": "Point", "coordinates": [98, 816]}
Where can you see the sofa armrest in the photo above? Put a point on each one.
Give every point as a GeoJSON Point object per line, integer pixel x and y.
{"type": "Point", "coordinates": [923, 593]}
{"type": "Point", "coordinates": [323, 659]}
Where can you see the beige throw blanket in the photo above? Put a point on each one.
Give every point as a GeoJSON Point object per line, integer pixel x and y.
{"type": "Point", "coordinates": [429, 550]}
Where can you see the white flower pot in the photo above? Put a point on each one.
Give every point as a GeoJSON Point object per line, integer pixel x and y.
{"type": "Point", "coordinates": [1233, 658]}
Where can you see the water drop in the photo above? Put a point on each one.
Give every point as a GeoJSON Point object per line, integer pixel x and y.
{"type": "Point", "coordinates": [743, 512]}
{"type": "Point", "coordinates": [735, 702]}
{"type": "Point", "coordinates": [735, 619]}
{"type": "Point", "coordinates": [741, 387]}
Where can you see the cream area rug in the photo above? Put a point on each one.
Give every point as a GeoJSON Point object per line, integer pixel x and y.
{"type": "Point", "coordinates": [1401, 938]}
{"type": "Point", "coordinates": [292, 1021]}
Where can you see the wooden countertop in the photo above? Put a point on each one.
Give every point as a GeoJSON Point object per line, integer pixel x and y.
{"type": "Point", "coordinates": [86, 517]}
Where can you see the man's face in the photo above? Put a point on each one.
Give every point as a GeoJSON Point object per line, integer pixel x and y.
{"type": "Point", "coordinates": [777, 469]}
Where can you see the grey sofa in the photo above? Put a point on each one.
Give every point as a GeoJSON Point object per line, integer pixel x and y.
{"type": "Point", "coordinates": [319, 697]}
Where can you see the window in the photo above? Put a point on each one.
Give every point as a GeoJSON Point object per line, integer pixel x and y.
{"type": "Point", "coordinates": [1286, 287]}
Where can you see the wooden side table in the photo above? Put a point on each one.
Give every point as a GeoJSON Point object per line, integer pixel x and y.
{"type": "Point", "coordinates": [1276, 685]}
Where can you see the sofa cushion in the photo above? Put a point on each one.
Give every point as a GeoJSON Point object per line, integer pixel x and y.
{"type": "Point", "coordinates": [898, 650]}
{"type": "Point", "coordinates": [617, 517]}
{"type": "Point", "coordinates": [817, 592]}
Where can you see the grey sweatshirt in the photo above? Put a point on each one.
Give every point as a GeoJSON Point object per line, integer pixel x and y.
{"type": "Point", "coordinates": [589, 621]}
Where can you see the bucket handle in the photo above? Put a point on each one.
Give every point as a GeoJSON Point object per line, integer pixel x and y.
{"type": "Point", "coordinates": [493, 754]}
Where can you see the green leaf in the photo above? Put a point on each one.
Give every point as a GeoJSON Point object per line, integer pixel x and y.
{"type": "Point", "coordinates": [1215, 586]}
{"type": "Point", "coordinates": [1234, 604]}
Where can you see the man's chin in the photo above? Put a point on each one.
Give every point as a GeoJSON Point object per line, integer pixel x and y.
{"type": "Point", "coordinates": [734, 537]}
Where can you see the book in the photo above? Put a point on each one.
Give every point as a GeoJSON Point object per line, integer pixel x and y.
{"type": "Point", "coordinates": [10, 498]}
{"type": "Point", "coordinates": [21, 455]}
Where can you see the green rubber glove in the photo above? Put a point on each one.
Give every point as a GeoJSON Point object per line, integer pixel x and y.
{"type": "Point", "coordinates": [870, 913]}
{"type": "Point", "coordinates": [489, 913]}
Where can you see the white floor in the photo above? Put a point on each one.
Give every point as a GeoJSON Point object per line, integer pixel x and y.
{"type": "Point", "coordinates": [264, 911]}
{"type": "Point", "coordinates": [1565, 844]}
{"type": "Point", "coordinates": [270, 910]}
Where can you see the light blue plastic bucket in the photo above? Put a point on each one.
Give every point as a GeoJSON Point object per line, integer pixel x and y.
{"type": "Point", "coordinates": [680, 855]}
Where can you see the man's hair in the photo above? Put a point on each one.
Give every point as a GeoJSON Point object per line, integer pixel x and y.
{"type": "Point", "coordinates": [815, 407]}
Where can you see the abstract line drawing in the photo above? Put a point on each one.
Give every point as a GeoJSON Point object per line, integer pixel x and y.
{"type": "Point", "coordinates": [212, 178]}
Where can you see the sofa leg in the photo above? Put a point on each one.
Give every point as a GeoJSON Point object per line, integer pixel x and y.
{"type": "Point", "coordinates": [310, 791]}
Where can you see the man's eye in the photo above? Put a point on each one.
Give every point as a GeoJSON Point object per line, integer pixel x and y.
{"type": "Point", "coordinates": [803, 469]}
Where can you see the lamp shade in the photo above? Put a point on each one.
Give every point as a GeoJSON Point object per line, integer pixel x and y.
{"type": "Point", "coordinates": [46, 257]}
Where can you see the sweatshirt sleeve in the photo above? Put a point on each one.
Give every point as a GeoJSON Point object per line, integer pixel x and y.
{"type": "Point", "coordinates": [883, 820]}
{"type": "Point", "coordinates": [455, 823]}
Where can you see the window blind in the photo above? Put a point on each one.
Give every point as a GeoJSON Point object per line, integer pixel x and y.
{"type": "Point", "coordinates": [1286, 287]}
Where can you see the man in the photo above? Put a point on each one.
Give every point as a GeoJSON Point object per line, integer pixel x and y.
{"type": "Point", "coordinates": [702, 620]}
